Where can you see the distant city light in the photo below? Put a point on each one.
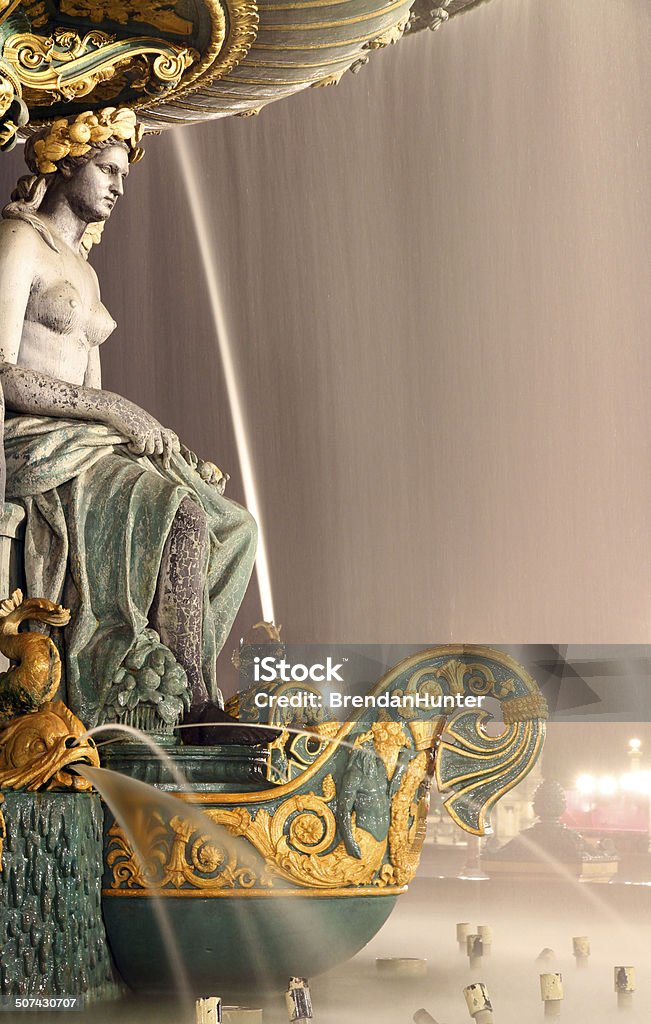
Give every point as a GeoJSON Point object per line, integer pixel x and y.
{"type": "Point", "coordinates": [585, 784]}
{"type": "Point", "coordinates": [634, 745]}
{"type": "Point", "coordinates": [637, 782]}
{"type": "Point", "coordinates": [608, 785]}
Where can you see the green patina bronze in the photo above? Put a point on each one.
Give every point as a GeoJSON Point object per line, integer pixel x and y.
{"type": "Point", "coordinates": [51, 929]}
{"type": "Point", "coordinates": [233, 944]}
{"type": "Point", "coordinates": [96, 526]}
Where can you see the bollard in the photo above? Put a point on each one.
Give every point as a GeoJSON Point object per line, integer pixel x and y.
{"type": "Point", "coordinates": [478, 1002]}
{"type": "Point", "coordinates": [546, 956]}
{"type": "Point", "coordinates": [464, 929]}
{"type": "Point", "coordinates": [551, 991]}
{"type": "Point", "coordinates": [423, 1017]}
{"type": "Point", "coordinates": [474, 950]}
{"type": "Point", "coordinates": [581, 950]}
{"type": "Point", "coordinates": [624, 987]}
{"type": "Point", "coordinates": [299, 1001]}
{"type": "Point", "coordinates": [208, 1011]}
{"type": "Point", "coordinates": [486, 933]}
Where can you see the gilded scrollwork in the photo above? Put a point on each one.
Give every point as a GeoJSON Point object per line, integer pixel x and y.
{"type": "Point", "coordinates": [173, 854]}
{"type": "Point", "coordinates": [296, 843]}
{"type": "Point", "coordinates": [66, 65]}
{"type": "Point", "coordinates": [474, 769]}
{"type": "Point", "coordinates": [351, 813]}
{"type": "Point", "coordinates": [222, 54]}
{"type": "Point", "coordinates": [148, 49]}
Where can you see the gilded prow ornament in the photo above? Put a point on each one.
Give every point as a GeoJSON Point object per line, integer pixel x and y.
{"type": "Point", "coordinates": [350, 811]}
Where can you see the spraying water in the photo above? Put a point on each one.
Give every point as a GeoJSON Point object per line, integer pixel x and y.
{"type": "Point", "coordinates": [122, 794]}
{"type": "Point", "coordinates": [200, 221]}
{"type": "Point", "coordinates": [135, 805]}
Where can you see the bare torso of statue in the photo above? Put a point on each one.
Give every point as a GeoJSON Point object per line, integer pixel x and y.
{"type": "Point", "coordinates": [64, 316]}
{"type": "Point", "coordinates": [137, 536]}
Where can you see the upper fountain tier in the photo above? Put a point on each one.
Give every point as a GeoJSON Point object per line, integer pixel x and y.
{"type": "Point", "coordinates": [180, 61]}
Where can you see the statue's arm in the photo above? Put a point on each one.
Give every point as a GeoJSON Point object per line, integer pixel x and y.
{"type": "Point", "coordinates": [15, 286]}
{"type": "Point", "coordinates": [93, 376]}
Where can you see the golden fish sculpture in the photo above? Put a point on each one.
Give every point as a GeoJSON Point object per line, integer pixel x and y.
{"type": "Point", "coordinates": [38, 749]}
{"type": "Point", "coordinates": [35, 670]}
{"type": "Point", "coordinates": [40, 739]}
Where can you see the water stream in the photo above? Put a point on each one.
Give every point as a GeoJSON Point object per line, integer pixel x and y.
{"type": "Point", "coordinates": [188, 166]}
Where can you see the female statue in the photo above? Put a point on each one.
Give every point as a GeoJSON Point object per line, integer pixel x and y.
{"type": "Point", "coordinates": [124, 525]}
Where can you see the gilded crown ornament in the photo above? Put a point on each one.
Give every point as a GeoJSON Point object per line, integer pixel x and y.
{"type": "Point", "coordinates": [77, 137]}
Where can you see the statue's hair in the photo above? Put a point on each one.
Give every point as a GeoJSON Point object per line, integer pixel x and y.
{"type": "Point", "coordinates": [68, 163]}
{"type": "Point", "coordinates": [30, 190]}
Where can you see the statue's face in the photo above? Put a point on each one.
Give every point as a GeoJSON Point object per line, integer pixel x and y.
{"type": "Point", "coordinates": [93, 189]}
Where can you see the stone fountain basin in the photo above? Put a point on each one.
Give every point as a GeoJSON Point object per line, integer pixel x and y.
{"type": "Point", "coordinates": [221, 934]}
{"type": "Point", "coordinates": [234, 941]}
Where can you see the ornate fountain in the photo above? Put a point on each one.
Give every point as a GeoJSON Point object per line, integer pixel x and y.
{"type": "Point", "coordinates": [326, 817]}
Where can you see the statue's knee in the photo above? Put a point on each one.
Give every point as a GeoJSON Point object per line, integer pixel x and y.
{"type": "Point", "coordinates": [249, 530]}
{"type": "Point", "coordinates": [190, 521]}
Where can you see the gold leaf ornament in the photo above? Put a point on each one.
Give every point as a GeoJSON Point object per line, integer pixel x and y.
{"type": "Point", "coordinates": [79, 133]}
{"type": "Point", "coordinates": [76, 138]}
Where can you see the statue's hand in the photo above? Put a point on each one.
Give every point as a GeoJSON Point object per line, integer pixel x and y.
{"type": "Point", "coordinates": [145, 435]}
{"type": "Point", "coordinates": [171, 446]}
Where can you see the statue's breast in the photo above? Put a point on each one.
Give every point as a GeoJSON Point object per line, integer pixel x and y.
{"type": "Point", "coordinates": [60, 309]}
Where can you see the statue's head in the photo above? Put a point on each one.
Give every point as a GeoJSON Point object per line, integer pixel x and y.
{"type": "Point", "coordinates": [83, 161]}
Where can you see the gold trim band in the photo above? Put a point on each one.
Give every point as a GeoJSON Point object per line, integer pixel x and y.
{"type": "Point", "coordinates": [523, 709]}
{"type": "Point", "coordinates": [288, 66]}
{"type": "Point", "coordinates": [335, 44]}
{"type": "Point", "coordinates": [368, 890]}
{"type": "Point", "coordinates": [304, 7]}
{"type": "Point", "coordinates": [268, 81]}
{"type": "Point", "coordinates": [335, 24]}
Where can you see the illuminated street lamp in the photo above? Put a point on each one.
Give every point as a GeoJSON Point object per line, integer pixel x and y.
{"type": "Point", "coordinates": [635, 754]}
